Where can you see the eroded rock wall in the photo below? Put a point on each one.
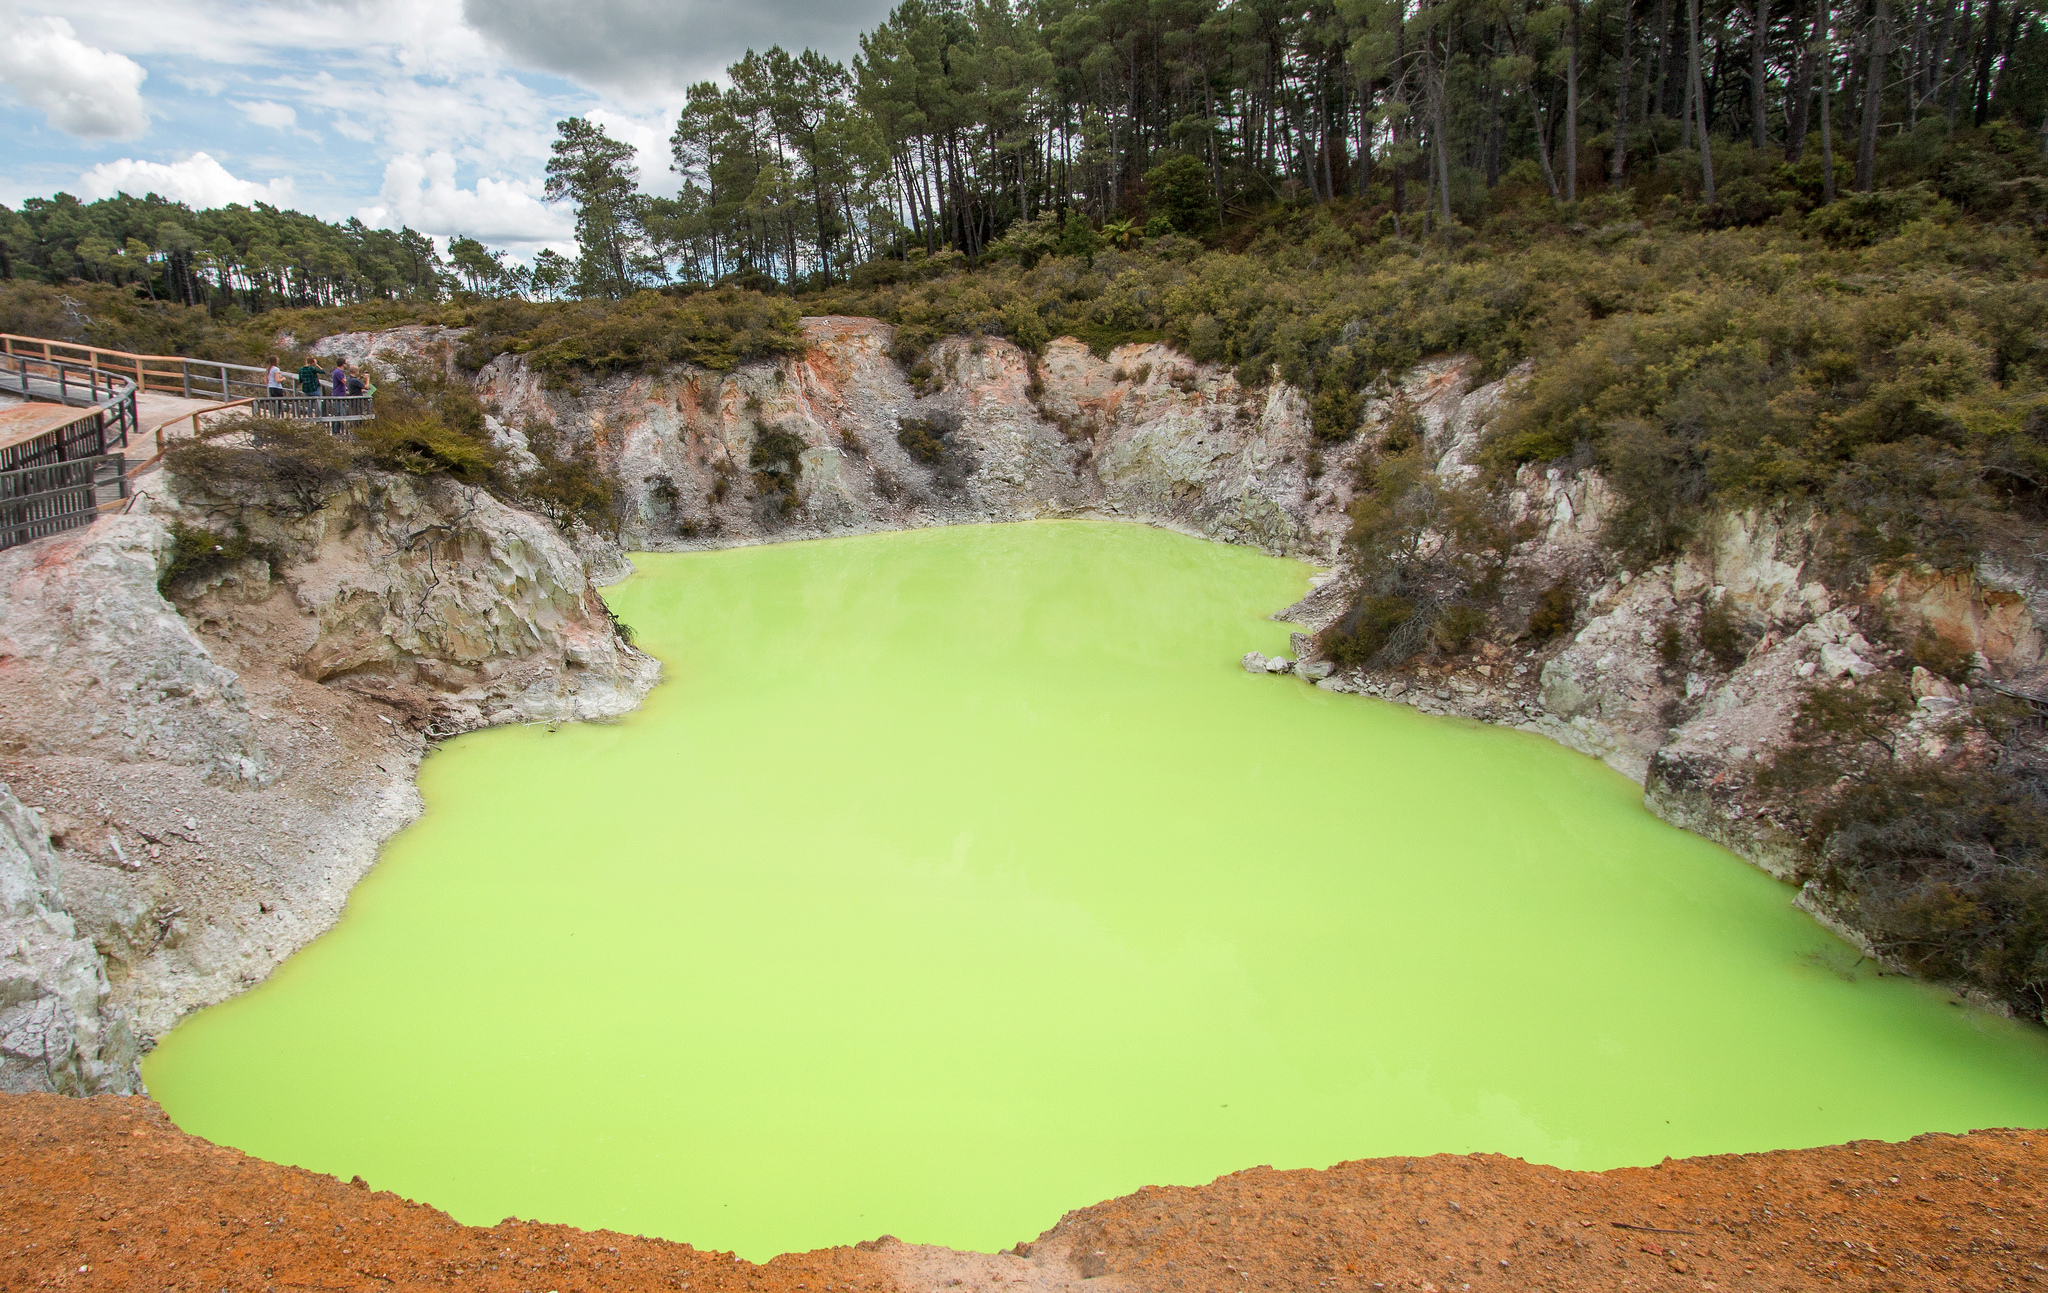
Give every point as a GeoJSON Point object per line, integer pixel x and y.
{"type": "Point", "coordinates": [1143, 433]}
{"type": "Point", "coordinates": [209, 773]}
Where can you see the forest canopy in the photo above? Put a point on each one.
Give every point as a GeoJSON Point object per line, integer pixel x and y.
{"type": "Point", "coordinates": [960, 125]}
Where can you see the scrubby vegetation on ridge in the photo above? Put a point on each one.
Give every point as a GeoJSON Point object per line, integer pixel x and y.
{"type": "Point", "coordinates": [427, 425]}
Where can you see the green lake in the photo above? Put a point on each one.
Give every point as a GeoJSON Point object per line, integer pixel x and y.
{"type": "Point", "coordinates": [956, 878]}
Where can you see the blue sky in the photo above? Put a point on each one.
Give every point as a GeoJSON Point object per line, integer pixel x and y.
{"type": "Point", "coordinates": [432, 113]}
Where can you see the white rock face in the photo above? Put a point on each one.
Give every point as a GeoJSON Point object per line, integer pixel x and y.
{"type": "Point", "coordinates": [444, 590]}
{"type": "Point", "coordinates": [93, 659]}
{"type": "Point", "coordinates": [1144, 434]}
{"type": "Point", "coordinates": [54, 1035]}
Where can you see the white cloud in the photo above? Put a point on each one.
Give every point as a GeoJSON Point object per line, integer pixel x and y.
{"type": "Point", "coordinates": [423, 192]}
{"type": "Point", "coordinates": [649, 139]}
{"type": "Point", "coordinates": [197, 181]}
{"type": "Point", "coordinates": [265, 112]}
{"type": "Point", "coordinates": [87, 92]}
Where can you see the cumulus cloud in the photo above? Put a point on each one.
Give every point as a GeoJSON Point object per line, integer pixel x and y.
{"type": "Point", "coordinates": [649, 139]}
{"type": "Point", "coordinates": [423, 192]}
{"type": "Point", "coordinates": [197, 181]}
{"type": "Point", "coordinates": [87, 92]}
{"type": "Point", "coordinates": [265, 112]}
{"type": "Point", "coordinates": [651, 45]}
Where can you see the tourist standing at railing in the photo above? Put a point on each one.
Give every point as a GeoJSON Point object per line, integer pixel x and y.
{"type": "Point", "coordinates": [274, 379]}
{"type": "Point", "coordinates": [355, 382]}
{"type": "Point", "coordinates": [309, 378]}
{"type": "Point", "coordinates": [340, 376]}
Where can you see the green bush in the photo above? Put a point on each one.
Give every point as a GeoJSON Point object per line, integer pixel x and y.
{"type": "Point", "coordinates": [924, 439]}
{"type": "Point", "coordinates": [1720, 635]}
{"type": "Point", "coordinates": [197, 553]}
{"type": "Point", "coordinates": [718, 329]}
{"type": "Point", "coordinates": [1943, 867]}
{"type": "Point", "coordinates": [1670, 644]}
{"type": "Point", "coordinates": [1361, 635]}
{"type": "Point", "coordinates": [1180, 196]}
{"type": "Point", "coordinates": [568, 486]}
{"type": "Point", "coordinates": [289, 467]}
{"type": "Point", "coordinates": [1555, 611]}
{"type": "Point", "coordinates": [1455, 628]}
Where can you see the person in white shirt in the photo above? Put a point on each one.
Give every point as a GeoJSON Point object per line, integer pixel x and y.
{"type": "Point", "coordinates": [275, 379]}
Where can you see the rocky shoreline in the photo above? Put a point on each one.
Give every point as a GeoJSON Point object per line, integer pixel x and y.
{"type": "Point", "coordinates": [198, 778]}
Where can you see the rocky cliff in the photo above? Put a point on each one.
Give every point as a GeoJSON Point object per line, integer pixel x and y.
{"type": "Point", "coordinates": [212, 766]}
{"type": "Point", "coordinates": [1688, 675]}
{"type": "Point", "coordinates": [1142, 433]}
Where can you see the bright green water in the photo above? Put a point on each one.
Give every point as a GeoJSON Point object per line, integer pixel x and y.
{"type": "Point", "coordinates": [957, 878]}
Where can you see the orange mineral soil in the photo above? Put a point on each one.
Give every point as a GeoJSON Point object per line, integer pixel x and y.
{"type": "Point", "coordinates": [107, 1193]}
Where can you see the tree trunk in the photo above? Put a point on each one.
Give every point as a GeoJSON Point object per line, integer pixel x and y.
{"type": "Point", "coordinates": [1496, 125]}
{"type": "Point", "coordinates": [2012, 39]}
{"type": "Point", "coordinates": [1707, 195]}
{"type": "Point", "coordinates": [1873, 96]}
{"type": "Point", "coordinates": [1443, 154]}
{"type": "Point", "coordinates": [1619, 167]}
{"type": "Point", "coordinates": [1960, 52]}
{"type": "Point", "coordinates": [1799, 98]}
{"type": "Point", "coordinates": [1759, 73]}
{"type": "Point", "coordinates": [1571, 110]}
{"type": "Point", "coordinates": [1688, 115]}
{"type": "Point", "coordinates": [1825, 43]}
{"type": "Point", "coordinates": [1989, 50]}
{"type": "Point", "coordinates": [1543, 144]}
{"type": "Point", "coordinates": [1663, 73]}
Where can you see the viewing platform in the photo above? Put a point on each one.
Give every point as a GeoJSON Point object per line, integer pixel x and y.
{"type": "Point", "coordinates": [70, 414]}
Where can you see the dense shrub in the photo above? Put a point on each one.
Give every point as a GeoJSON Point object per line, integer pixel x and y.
{"type": "Point", "coordinates": [776, 460]}
{"type": "Point", "coordinates": [1365, 631]}
{"type": "Point", "coordinates": [1720, 634]}
{"type": "Point", "coordinates": [924, 439]}
{"type": "Point", "coordinates": [933, 441]}
{"type": "Point", "coordinates": [1554, 612]}
{"type": "Point", "coordinates": [197, 552]}
{"type": "Point", "coordinates": [287, 466]}
{"type": "Point", "coordinates": [1940, 866]}
{"type": "Point", "coordinates": [715, 329]}
{"type": "Point", "coordinates": [568, 485]}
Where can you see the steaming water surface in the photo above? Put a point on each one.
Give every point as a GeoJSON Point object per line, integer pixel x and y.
{"type": "Point", "coordinates": [956, 878]}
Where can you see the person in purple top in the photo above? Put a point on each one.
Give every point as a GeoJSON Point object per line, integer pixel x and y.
{"type": "Point", "coordinates": [340, 376]}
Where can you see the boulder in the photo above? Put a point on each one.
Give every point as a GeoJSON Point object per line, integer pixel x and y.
{"type": "Point", "coordinates": [1253, 662]}
{"type": "Point", "coordinates": [1279, 664]}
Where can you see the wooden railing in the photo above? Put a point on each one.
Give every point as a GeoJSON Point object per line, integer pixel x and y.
{"type": "Point", "coordinates": [106, 404]}
{"type": "Point", "coordinates": [59, 477]}
{"type": "Point", "coordinates": [39, 501]}
{"type": "Point", "coordinates": [192, 379]}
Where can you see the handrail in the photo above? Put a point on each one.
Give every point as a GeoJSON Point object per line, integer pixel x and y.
{"type": "Point", "coordinates": [177, 374]}
{"type": "Point", "coordinates": [53, 480]}
{"type": "Point", "coordinates": [332, 409]}
{"type": "Point", "coordinates": [104, 421]}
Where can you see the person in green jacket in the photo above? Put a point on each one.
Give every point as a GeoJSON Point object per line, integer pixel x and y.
{"type": "Point", "coordinates": [309, 378]}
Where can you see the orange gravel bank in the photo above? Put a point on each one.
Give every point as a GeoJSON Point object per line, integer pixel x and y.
{"type": "Point", "coordinates": [106, 1193]}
